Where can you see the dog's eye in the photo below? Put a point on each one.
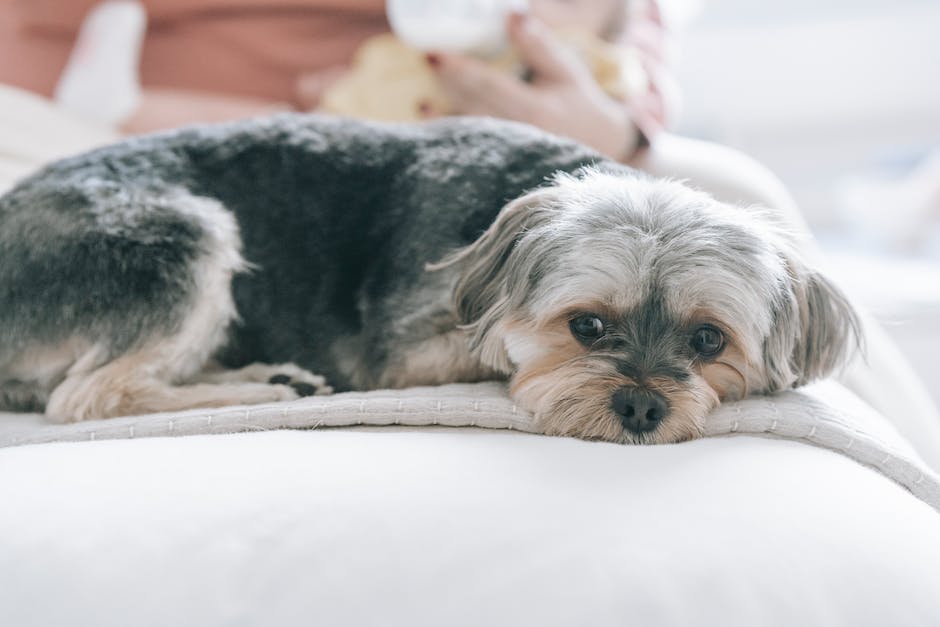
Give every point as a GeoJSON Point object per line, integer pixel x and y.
{"type": "Point", "coordinates": [587, 327]}
{"type": "Point", "coordinates": [708, 341]}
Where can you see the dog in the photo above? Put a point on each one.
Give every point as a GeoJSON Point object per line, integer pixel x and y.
{"type": "Point", "coordinates": [265, 260]}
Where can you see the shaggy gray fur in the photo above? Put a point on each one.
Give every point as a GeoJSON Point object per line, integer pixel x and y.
{"type": "Point", "coordinates": [338, 218]}
{"type": "Point", "coordinates": [338, 221]}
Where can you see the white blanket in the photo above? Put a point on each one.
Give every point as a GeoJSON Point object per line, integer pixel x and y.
{"type": "Point", "coordinates": [824, 415]}
{"type": "Point", "coordinates": [430, 526]}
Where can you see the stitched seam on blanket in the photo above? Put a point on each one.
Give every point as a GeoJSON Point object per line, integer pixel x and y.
{"type": "Point", "coordinates": [792, 416]}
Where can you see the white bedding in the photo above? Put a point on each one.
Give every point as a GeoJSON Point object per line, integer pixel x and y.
{"type": "Point", "coordinates": [825, 415]}
{"type": "Point", "coordinates": [466, 526]}
{"type": "Point", "coordinates": [435, 526]}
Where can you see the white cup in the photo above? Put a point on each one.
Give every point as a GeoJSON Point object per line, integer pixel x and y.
{"type": "Point", "coordinates": [465, 26]}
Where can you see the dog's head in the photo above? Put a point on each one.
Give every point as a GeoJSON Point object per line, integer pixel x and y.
{"type": "Point", "coordinates": [625, 308]}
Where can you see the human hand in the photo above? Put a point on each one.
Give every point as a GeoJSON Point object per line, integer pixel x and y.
{"type": "Point", "coordinates": [562, 97]}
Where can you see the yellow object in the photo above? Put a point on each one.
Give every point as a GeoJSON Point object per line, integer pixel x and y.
{"type": "Point", "coordinates": [389, 81]}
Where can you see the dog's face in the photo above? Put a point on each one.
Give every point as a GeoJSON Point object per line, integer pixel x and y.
{"type": "Point", "coordinates": [625, 309]}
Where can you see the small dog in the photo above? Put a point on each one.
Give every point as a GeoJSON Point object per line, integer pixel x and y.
{"type": "Point", "coordinates": [227, 264]}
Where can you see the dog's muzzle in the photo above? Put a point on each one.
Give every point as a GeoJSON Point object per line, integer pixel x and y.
{"type": "Point", "coordinates": [640, 410]}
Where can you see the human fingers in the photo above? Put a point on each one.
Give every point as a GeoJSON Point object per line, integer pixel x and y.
{"type": "Point", "coordinates": [475, 88]}
{"type": "Point", "coordinates": [548, 58]}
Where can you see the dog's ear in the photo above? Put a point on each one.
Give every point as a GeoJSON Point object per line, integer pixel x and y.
{"type": "Point", "coordinates": [488, 280]}
{"type": "Point", "coordinates": [816, 329]}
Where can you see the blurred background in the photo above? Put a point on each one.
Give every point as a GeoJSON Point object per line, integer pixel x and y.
{"type": "Point", "coordinates": [841, 100]}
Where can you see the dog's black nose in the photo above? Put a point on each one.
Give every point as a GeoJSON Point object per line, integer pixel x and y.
{"type": "Point", "coordinates": [639, 410]}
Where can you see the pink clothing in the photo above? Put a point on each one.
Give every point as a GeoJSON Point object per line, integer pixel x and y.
{"type": "Point", "coordinates": [236, 47]}
{"type": "Point", "coordinates": [258, 49]}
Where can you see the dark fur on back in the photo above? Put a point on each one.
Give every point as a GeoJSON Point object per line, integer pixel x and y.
{"type": "Point", "coordinates": [337, 217]}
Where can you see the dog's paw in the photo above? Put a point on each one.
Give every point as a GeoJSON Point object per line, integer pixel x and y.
{"type": "Point", "coordinates": [288, 376]}
{"type": "Point", "coordinates": [280, 393]}
{"type": "Point", "coordinates": [302, 387]}
{"type": "Point", "coordinates": [303, 382]}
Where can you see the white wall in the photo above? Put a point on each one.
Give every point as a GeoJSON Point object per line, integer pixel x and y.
{"type": "Point", "coordinates": [815, 90]}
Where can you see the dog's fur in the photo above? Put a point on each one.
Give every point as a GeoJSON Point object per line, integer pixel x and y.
{"type": "Point", "coordinates": [163, 272]}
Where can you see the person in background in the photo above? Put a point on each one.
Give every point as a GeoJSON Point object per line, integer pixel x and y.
{"type": "Point", "coordinates": [216, 60]}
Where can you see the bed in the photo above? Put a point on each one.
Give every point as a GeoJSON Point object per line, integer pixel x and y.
{"type": "Point", "coordinates": [439, 506]}
{"type": "Point", "coordinates": [803, 509]}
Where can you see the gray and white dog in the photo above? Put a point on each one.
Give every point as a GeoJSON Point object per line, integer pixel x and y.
{"type": "Point", "coordinates": [226, 264]}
